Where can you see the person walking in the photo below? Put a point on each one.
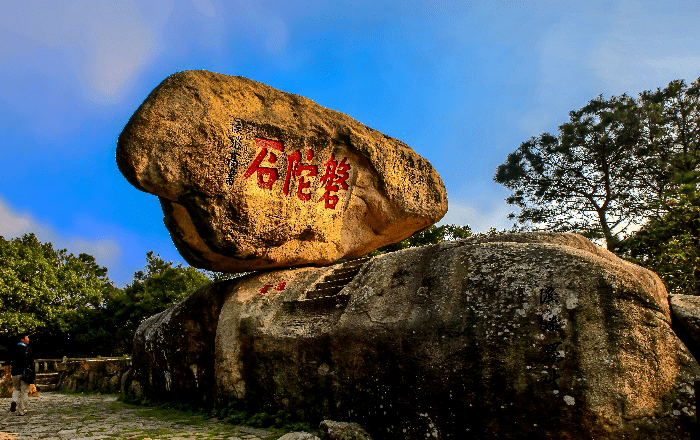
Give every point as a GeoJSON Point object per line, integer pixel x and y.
{"type": "Point", "coordinates": [22, 359]}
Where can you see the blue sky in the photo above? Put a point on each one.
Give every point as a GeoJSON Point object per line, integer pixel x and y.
{"type": "Point", "coordinates": [462, 82]}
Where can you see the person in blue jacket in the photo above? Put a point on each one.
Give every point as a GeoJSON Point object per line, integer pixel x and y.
{"type": "Point", "coordinates": [21, 358]}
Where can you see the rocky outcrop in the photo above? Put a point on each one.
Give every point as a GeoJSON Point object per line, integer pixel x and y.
{"type": "Point", "coordinates": [298, 436]}
{"type": "Point", "coordinates": [251, 178]}
{"type": "Point", "coordinates": [174, 352]}
{"type": "Point", "coordinates": [343, 431]}
{"type": "Point", "coordinates": [514, 336]}
{"type": "Point", "coordinates": [686, 319]}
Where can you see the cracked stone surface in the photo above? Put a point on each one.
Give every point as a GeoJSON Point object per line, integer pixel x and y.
{"type": "Point", "coordinates": [55, 416]}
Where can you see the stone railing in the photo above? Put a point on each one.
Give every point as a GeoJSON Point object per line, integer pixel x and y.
{"type": "Point", "coordinates": [94, 375]}
{"type": "Point", "coordinates": [104, 375]}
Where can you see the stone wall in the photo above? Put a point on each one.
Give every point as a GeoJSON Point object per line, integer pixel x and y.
{"type": "Point", "coordinates": [94, 375]}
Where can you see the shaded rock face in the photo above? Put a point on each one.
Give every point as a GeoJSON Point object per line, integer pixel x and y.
{"type": "Point", "coordinates": [686, 320]}
{"type": "Point", "coordinates": [516, 336]}
{"type": "Point", "coordinates": [298, 436]}
{"type": "Point", "coordinates": [251, 178]}
{"type": "Point", "coordinates": [173, 355]}
{"type": "Point", "coordinates": [343, 431]}
{"type": "Point", "coordinates": [5, 387]}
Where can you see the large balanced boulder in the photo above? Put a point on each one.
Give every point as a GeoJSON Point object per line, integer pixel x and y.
{"type": "Point", "coordinates": [251, 178]}
{"type": "Point", "coordinates": [515, 336]}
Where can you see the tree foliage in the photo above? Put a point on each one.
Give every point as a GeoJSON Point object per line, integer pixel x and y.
{"type": "Point", "coordinates": [69, 305]}
{"type": "Point", "coordinates": [43, 290]}
{"type": "Point", "coordinates": [582, 179]}
{"type": "Point", "coordinates": [670, 245]}
{"type": "Point", "coordinates": [157, 288]}
{"type": "Point", "coordinates": [608, 169]}
{"type": "Point", "coordinates": [431, 235]}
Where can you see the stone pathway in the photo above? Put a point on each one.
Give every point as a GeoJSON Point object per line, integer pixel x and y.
{"type": "Point", "coordinates": [62, 417]}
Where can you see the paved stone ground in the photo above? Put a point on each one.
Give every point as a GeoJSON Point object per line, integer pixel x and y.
{"type": "Point", "coordinates": [55, 416]}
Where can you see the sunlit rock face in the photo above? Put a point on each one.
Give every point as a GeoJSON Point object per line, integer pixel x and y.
{"type": "Point", "coordinates": [251, 178]}
{"type": "Point", "coordinates": [537, 336]}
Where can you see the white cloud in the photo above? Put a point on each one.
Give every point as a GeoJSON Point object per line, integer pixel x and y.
{"type": "Point", "coordinates": [106, 251]}
{"type": "Point", "coordinates": [206, 7]}
{"type": "Point", "coordinates": [610, 48]}
{"type": "Point", "coordinates": [13, 224]}
{"type": "Point", "coordinates": [646, 47]}
{"type": "Point", "coordinates": [480, 218]}
{"type": "Point", "coordinates": [110, 42]}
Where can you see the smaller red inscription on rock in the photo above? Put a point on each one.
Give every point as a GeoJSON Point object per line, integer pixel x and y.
{"type": "Point", "coordinates": [281, 286]}
{"type": "Point", "coordinates": [264, 289]}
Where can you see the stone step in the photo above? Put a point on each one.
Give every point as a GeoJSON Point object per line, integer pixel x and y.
{"type": "Point", "coordinates": [347, 270]}
{"type": "Point", "coordinates": [320, 293]}
{"type": "Point", "coordinates": [325, 304]}
{"type": "Point", "coordinates": [357, 262]}
{"type": "Point", "coordinates": [46, 381]}
{"type": "Point", "coordinates": [332, 284]}
{"type": "Point", "coordinates": [338, 282]}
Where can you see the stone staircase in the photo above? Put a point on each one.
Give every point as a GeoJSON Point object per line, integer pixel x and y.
{"type": "Point", "coordinates": [46, 381]}
{"type": "Point", "coordinates": [326, 296]}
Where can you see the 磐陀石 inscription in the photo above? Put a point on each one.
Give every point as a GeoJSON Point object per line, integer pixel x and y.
{"type": "Point", "coordinates": [332, 181]}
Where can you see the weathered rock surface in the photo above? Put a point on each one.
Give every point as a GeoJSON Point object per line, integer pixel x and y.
{"type": "Point", "coordinates": [183, 368]}
{"type": "Point", "coordinates": [5, 386]}
{"type": "Point", "coordinates": [298, 436]}
{"type": "Point", "coordinates": [343, 431]}
{"type": "Point", "coordinates": [686, 318]}
{"type": "Point", "coordinates": [250, 177]}
{"type": "Point", "coordinates": [541, 336]}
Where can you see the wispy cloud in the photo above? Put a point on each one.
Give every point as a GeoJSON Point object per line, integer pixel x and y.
{"type": "Point", "coordinates": [611, 48]}
{"type": "Point", "coordinates": [106, 251]}
{"type": "Point", "coordinates": [107, 43]}
{"type": "Point", "coordinates": [480, 218]}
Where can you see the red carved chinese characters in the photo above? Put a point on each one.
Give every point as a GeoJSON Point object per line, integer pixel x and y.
{"type": "Point", "coordinates": [263, 290]}
{"type": "Point", "coordinates": [295, 168]}
{"type": "Point", "coordinates": [336, 174]}
{"type": "Point", "coordinates": [334, 179]}
{"type": "Point", "coordinates": [266, 288]}
{"type": "Point", "coordinates": [255, 167]}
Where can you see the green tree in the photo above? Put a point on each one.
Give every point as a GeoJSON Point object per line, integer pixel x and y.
{"type": "Point", "coordinates": [157, 288]}
{"type": "Point", "coordinates": [44, 291]}
{"type": "Point", "coordinates": [670, 245]}
{"type": "Point", "coordinates": [668, 154]}
{"type": "Point", "coordinates": [614, 165]}
{"type": "Point", "coordinates": [431, 235]}
{"type": "Point", "coordinates": [582, 179]}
